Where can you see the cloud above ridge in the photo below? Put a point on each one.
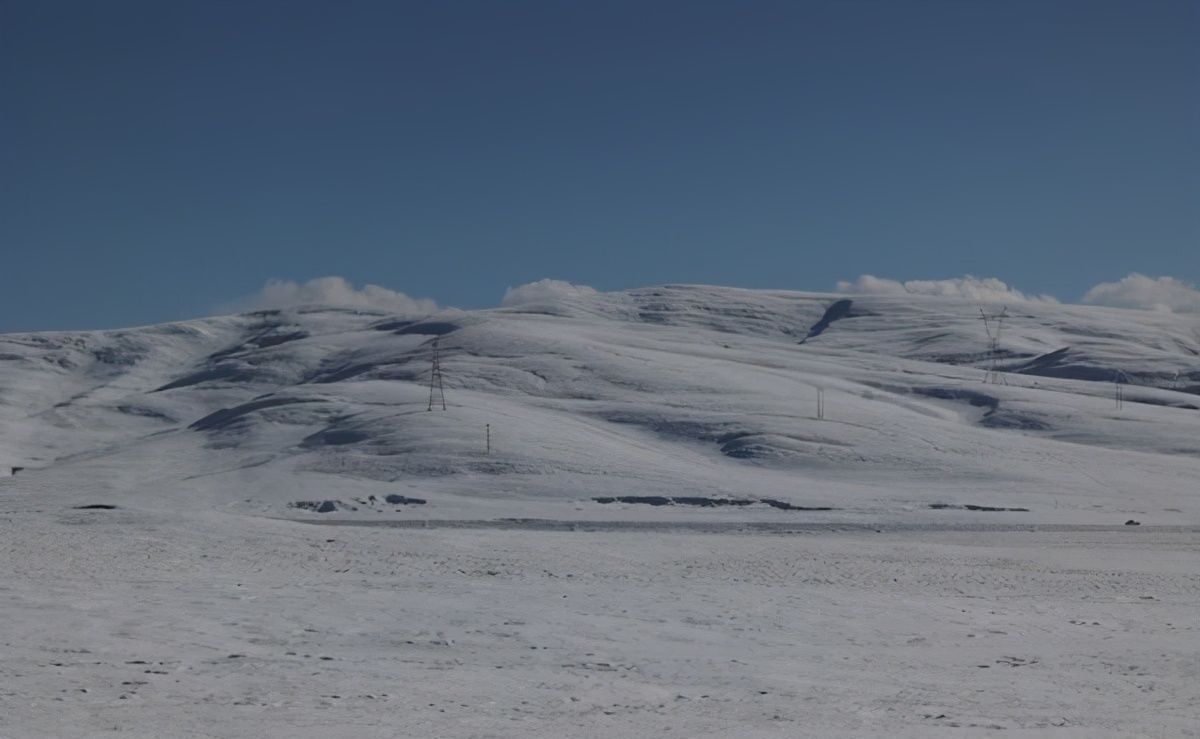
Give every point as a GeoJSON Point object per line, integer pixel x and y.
{"type": "Point", "coordinates": [986, 290]}
{"type": "Point", "coordinates": [332, 291]}
{"type": "Point", "coordinates": [1164, 294]}
{"type": "Point", "coordinates": [544, 292]}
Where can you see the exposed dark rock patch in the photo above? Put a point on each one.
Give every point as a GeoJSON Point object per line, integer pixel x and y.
{"type": "Point", "coordinates": [758, 445]}
{"type": "Point", "coordinates": [696, 430]}
{"type": "Point", "coordinates": [975, 358]}
{"type": "Point", "coordinates": [270, 340]}
{"type": "Point", "coordinates": [334, 437]}
{"type": "Point", "coordinates": [995, 417]}
{"type": "Point", "coordinates": [654, 500]}
{"type": "Point", "coordinates": [709, 502]}
{"type": "Point", "coordinates": [835, 312]}
{"type": "Point", "coordinates": [428, 328]}
{"type": "Point", "coordinates": [227, 416]}
{"type": "Point", "coordinates": [974, 397]}
{"type": "Point", "coordinates": [262, 341]}
{"type": "Point", "coordinates": [137, 410]}
{"type": "Point", "coordinates": [117, 356]}
{"type": "Point", "coordinates": [785, 506]}
{"type": "Point", "coordinates": [321, 506]}
{"type": "Point", "coordinates": [1003, 418]}
{"type": "Point", "coordinates": [1064, 364]}
{"type": "Point", "coordinates": [972, 507]}
{"type": "Point", "coordinates": [96, 507]}
{"type": "Point", "coordinates": [1145, 400]}
{"type": "Point", "coordinates": [402, 500]}
{"type": "Point", "coordinates": [224, 372]}
{"type": "Point", "coordinates": [392, 369]}
{"type": "Point", "coordinates": [392, 325]}
{"type": "Point", "coordinates": [705, 502]}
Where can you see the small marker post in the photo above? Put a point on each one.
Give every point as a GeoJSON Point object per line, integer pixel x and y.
{"type": "Point", "coordinates": [488, 430]}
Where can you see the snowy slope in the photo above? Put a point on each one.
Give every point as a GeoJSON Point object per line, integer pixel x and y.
{"type": "Point", "coordinates": [702, 392]}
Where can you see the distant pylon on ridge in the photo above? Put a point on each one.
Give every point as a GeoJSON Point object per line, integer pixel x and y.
{"type": "Point", "coordinates": [994, 375]}
{"type": "Point", "coordinates": [436, 390]}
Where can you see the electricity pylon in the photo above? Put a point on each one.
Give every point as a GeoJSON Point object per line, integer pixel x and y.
{"type": "Point", "coordinates": [997, 320]}
{"type": "Point", "coordinates": [435, 379]}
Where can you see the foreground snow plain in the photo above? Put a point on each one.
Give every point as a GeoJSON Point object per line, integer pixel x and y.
{"type": "Point", "coordinates": [206, 604]}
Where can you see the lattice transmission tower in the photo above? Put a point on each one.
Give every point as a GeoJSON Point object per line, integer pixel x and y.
{"type": "Point", "coordinates": [993, 324]}
{"type": "Point", "coordinates": [436, 390]}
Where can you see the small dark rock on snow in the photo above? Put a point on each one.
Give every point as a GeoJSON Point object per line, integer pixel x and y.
{"type": "Point", "coordinates": [401, 500]}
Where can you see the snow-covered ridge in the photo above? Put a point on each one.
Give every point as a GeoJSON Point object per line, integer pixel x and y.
{"type": "Point", "coordinates": [676, 391]}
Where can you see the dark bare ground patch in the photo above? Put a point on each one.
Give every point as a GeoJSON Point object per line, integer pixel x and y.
{"type": "Point", "coordinates": [972, 507]}
{"type": "Point", "coordinates": [705, 502]}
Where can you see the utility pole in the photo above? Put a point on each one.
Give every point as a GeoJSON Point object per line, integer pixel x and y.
{"type": "Point", "coordinates": [435, 379]}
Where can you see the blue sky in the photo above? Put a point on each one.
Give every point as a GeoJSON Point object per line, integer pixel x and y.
{"type": "Point", "coordinates": [161, 159]}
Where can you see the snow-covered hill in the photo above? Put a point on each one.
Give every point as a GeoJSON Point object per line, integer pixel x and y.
{"type": "Point", "coordinates": [703, 393]}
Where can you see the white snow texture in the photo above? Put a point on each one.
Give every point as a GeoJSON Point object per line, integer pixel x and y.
{"type": "Point", "coordinates": [663, 539]}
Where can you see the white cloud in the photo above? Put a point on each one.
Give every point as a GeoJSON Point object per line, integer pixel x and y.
{"type": "Point", "coordinates": [986, 290]}
{"type": "Point", "coordinates": [544, 293]}
{"type": "Point", "coordinates": [332, 291]}
{"type": "Point", "coordinates": [872, 285]}
{"type": "Point", "coordinates": [1165, 294]}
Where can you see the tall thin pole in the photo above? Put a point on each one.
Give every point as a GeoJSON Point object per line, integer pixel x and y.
{"type": "Point", "coordinates": [1120, 379]}
{"type": "Point", "coordinates": [488, 428]}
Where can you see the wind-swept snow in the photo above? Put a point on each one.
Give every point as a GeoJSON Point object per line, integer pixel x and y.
{"type": "Point", "coordinates": [663, 540]}
{"type": "Point", "coordinates": [662, 391]}
{"type": "Point", "coordinates": [138, 624]}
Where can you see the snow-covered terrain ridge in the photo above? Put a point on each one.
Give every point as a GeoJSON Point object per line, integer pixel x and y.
{"type": "Point", "coordinates": [673, 391]}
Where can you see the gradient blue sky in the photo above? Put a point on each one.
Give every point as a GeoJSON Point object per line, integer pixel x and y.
{"type": "Point", "coordinates": [162, 158]}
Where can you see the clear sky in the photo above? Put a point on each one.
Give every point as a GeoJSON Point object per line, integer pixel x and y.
{"type": "Point", "coordinates": [162, 158]}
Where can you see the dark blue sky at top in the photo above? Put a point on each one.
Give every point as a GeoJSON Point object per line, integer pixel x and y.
{"type": "Point", "coordinates": [162, 158]}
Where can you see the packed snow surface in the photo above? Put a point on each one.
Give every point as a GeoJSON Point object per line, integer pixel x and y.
{"type": "Point", "coordinates": [253, 525]}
